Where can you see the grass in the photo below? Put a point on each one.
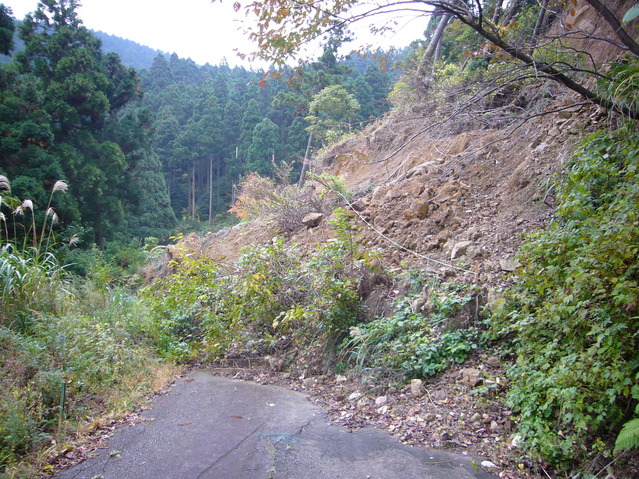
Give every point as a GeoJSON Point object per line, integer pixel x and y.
{"type": "Point", "coordinates": [76, 353]}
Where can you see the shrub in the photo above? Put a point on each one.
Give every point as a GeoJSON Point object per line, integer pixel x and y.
{"type": "Point", "coordinates": [276, 296]}
{"type": "Point", "coordinates": [27, 399]}
{"type": "Point", "coordinates": [55, 330]}
{"type": "Point", "coordinates": [101, 347]}
{"type": "Point", "coordinates": [283, 204]}
{"type": "Point", "coordinates": [30, 282]}
{"type": "Point", "coordinates": [572, 314]}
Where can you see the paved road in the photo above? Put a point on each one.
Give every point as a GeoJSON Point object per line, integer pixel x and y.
{"type": "Point", "coordinates": [210, 427]}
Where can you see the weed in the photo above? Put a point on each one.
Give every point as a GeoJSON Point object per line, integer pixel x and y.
{"type": "Point", "coordinates": [415, 343]}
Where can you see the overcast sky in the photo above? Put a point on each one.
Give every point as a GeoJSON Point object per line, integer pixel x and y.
{"type": "Point", "coordinates": [201, 30]}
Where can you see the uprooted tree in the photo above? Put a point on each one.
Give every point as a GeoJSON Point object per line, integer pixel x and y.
{"type": "Point", "coordinates": [543, 42]}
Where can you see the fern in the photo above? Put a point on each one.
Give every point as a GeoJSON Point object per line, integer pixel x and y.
{"type": "Point", "coordinates": [629, 436]}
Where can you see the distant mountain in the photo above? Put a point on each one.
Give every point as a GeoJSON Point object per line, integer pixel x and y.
{"type": "Point", "coordinates": [131, 53]}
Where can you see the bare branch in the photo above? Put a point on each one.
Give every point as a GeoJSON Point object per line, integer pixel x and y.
{"type": "Point", "coordinates": [546, 68]}
{"type": "Point", "coordinates": [616, 25]}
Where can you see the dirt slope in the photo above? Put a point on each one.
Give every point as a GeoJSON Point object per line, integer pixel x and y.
{"type": "Point", "coordinates": [455, 202]}
{"type": "Point", "coordinates": [458, 205]}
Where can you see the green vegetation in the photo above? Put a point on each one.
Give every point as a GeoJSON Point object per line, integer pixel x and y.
{"type": "Point", "coordinates": [71, 349]}
{"type": "Point", "coordinates": [73, 332]}
{"type": "Point", "coordinates": [70, 112]}
{"type": "Point", "coordinates": [275, 298]}
{"type": "Point", "coordinates": [571, 316]}
{"type": "Point", "coordinates": [216, 125]}
{"type": "Point", "coordinates": [419, 343]}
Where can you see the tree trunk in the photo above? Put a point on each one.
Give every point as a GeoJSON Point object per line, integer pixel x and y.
{"type": "Point", "coordinates": [497, 11]}
{"type": "Point", "coordinates": [193, 193]}
{"type": "Point", "coordinates": [99, 238]}
{"type": "Point", "coordinates": [612, 20]}
{"type": "Point", "coordinates": [547, 69]}
{"type": "Point", "coordinates": [510, 13]}
{"type": "Point", "coordinates": [538, 25]}
{"type": "Point", "coordinates": [423, 76]}
{"type": "Point", "coordinates": [305, 161]}
{"type": "Point", "coordinates": [218, 171]}
{"type": "Point", "coordinates": [210, 189]}
{"type": "Point", "coordinates": [437, 55]}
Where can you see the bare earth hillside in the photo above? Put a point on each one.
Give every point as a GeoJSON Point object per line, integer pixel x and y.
{"type": "Point", "coordinates": [456, 205]}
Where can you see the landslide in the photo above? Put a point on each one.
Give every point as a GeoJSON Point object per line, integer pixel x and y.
{"type": "Point", "coordinates": [455, 202]}
{"type": "Point", "coordinates": [455, 205]}
{"type": "Point", "coordinates": [453, 197]}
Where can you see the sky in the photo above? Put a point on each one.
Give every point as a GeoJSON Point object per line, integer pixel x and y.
{"type": "Point", "coordinates": [202, 30]}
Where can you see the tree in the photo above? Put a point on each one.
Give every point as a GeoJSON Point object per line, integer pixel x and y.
{"type": "Point", "coordinates": [281, 31]}
{"type": "Point", "coordinates": [7, 28]}
{"type": "Point", "coordinates": [262, 152]}
{"type": "Point", "coordinates": [88, 123]}
{"type": "Point", "coordinates": [332, 112]}
{"type": "Point", "coordinates": [252, 116]}
{"type": "Point", "coordinates": [150, 212]}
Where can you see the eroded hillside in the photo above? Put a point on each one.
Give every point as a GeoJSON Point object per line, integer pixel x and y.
{"type": "Point", "coordinates": [440, 195]}
{"type": "Point", "coordinates": [456, 205]}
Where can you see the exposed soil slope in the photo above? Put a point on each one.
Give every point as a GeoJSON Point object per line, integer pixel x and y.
{"type": "Point", "coordinates": [457, 205]}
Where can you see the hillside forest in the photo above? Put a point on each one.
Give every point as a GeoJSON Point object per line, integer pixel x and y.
{"type": "Point", "coordinates": [452, 227]}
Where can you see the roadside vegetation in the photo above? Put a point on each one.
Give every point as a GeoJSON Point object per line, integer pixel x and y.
{"type": "Point", "coordinates": [75, 351]}
{"type": "Point", "coordinates": [571, 317]}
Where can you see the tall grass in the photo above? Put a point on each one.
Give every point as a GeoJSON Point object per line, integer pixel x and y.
{"type": "Point", "coordinates": [30, 282]}
{"type": "Point", "coordinates": [59, 332]}
{"type": "Point", "coordinates": [20, 208]}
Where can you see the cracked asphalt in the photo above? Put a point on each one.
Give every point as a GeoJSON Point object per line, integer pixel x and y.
{"type": "Point", "coordinates": [211, 427]}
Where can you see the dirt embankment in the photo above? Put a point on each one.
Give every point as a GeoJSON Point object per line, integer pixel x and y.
{"type": "Point", "coordinates": [456, 203]}
{"type": "Point", "coordinates": [454, 200]}
{"type": "Point", "coordinates": [456, 206]}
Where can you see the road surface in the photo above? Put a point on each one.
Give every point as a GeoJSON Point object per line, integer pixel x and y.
{"type": "Point", "coordinates": [210, 427]}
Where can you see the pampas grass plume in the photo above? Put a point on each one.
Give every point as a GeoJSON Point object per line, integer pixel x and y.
{"type": "Point", "coordinates": [27, 205]}
{"type": "Point", "coordinates": [4, 183]}
{"type": "Point", "coordinates": [60, 185]}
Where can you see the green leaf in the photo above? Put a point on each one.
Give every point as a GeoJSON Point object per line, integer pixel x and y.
{"type": "Point", "coordinates": [631, 14]}
{"type": "Point", "coordinates": [628, 438]}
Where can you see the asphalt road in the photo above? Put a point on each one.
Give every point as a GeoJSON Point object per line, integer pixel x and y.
{"type": "Point", "coordinates": [210, 427]}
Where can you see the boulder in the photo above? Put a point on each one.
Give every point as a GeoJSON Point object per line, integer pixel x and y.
{"type": "Point", "coordinates": [471, 377]}
{"type": "Point", "coordinates": [380, 401]}
{"type": "Point", "coordinates": [508, 265]}
{"type": "Point", "coordinates": [359, 205]}
{"type": "Point", "coordinates": [311, 220]}
{"type": "Point", "coordinates": [420, 209]}
{"type": "Point", "coordinates": [439, 395]}
{"type": "Point", "coordinates": [417, 388]}
{"type": "Point", "coordinates": [474, 252]}
{"type": "Point", "coordinates": [494, 361]}
{"type": "Point", "coordinates": [459, 249]}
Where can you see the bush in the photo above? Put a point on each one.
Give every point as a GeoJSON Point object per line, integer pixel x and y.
{"type": "Point", "coordinates": [275, 297]}
{"type": "Point", "coordinates": [97, 340]}
{"type": "Point", "coordinates": [31, 281]}
{"type": "Point", "coordinates": [27, 397]}
{"type": "Point", "coordinates": [283, 204]}
{"type": "Point", "coordinates": [572, 314]}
